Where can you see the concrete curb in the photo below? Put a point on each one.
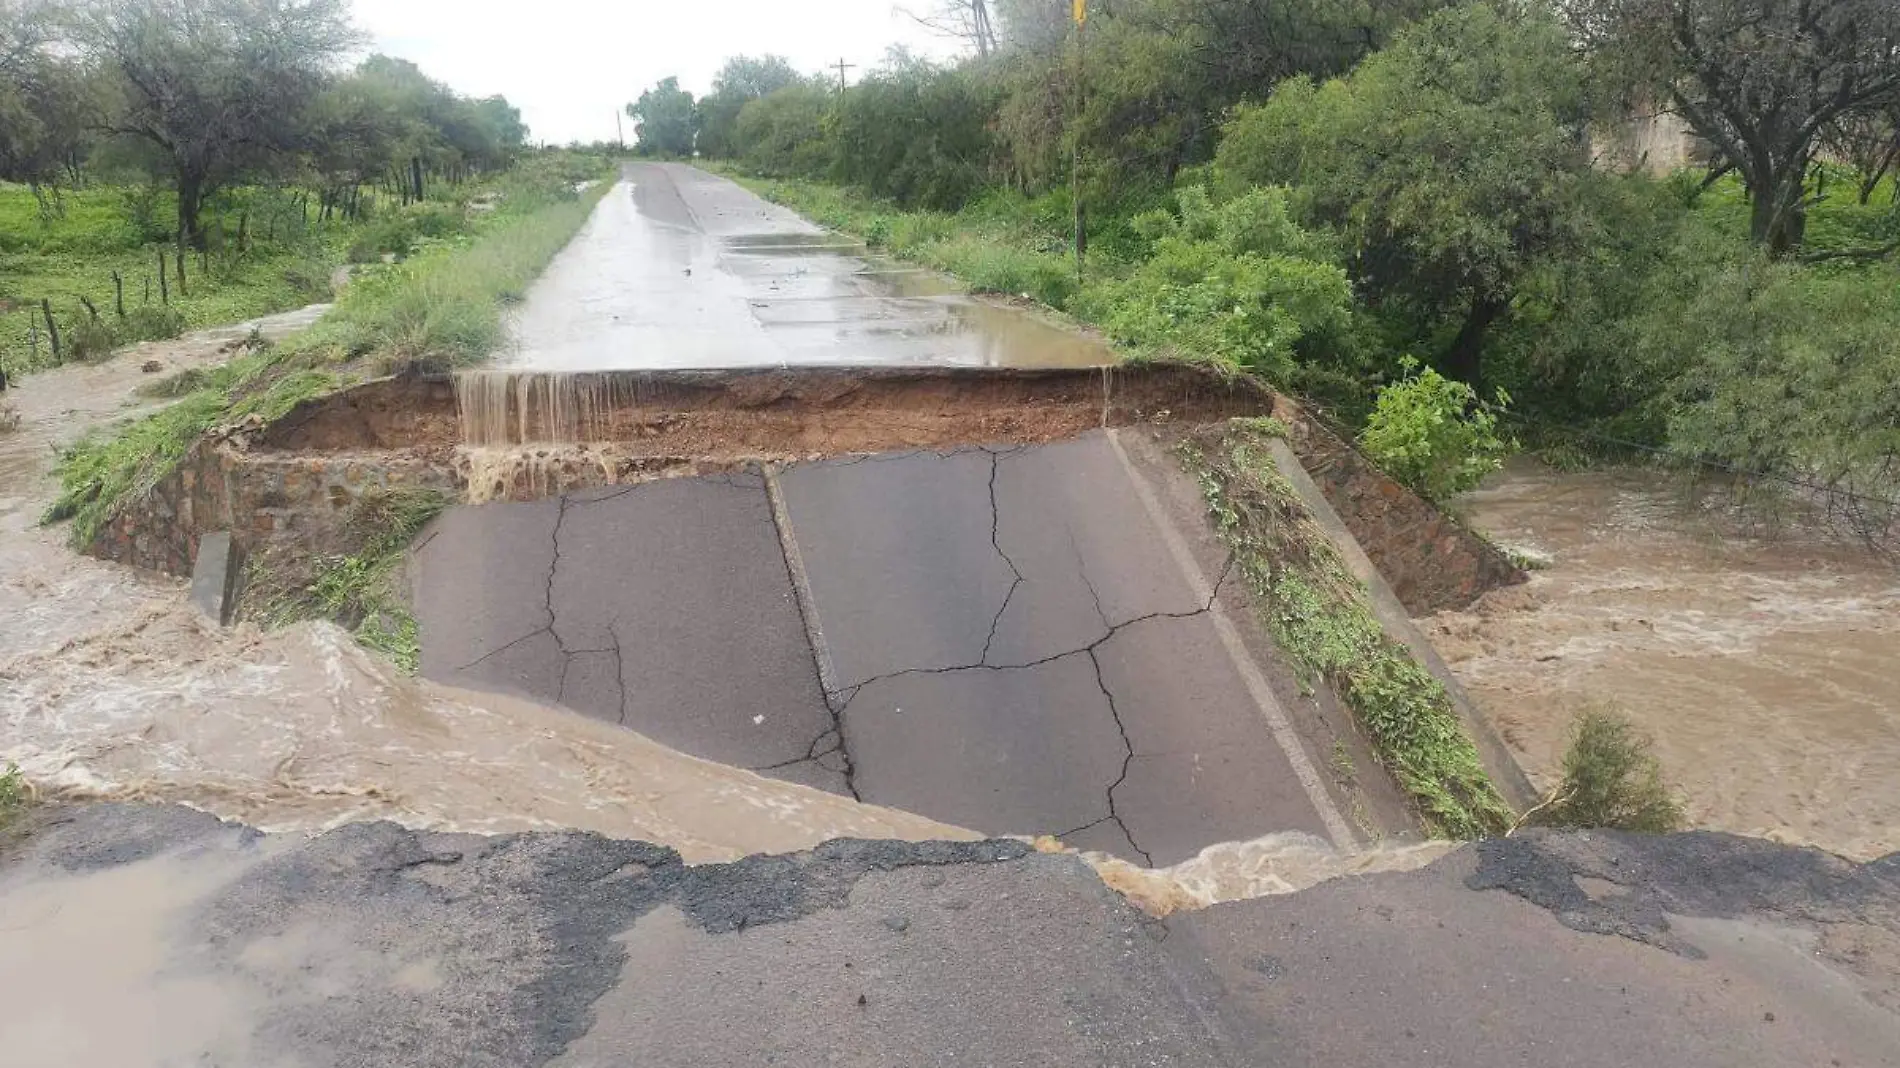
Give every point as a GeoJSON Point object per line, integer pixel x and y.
{"type": "Point", "coordinates": [1498, 761]}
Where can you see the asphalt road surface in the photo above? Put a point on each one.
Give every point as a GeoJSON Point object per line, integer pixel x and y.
{"type": "Point", "coordinates": [1020, 640]}
{"type": "Point", "coordinates": [134, 937]}
{"type": "Point", "coordinates": [680, 268]}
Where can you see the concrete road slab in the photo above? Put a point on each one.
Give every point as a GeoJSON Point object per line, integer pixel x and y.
{"type": "Point", "coordinates": [1418, 968]}
{"type": "Point", "coordinates": [665, 606]}
{"type": "Point", "coordinates": [1021, 751]}
{"type": "Point", "coordinates": [680, 268]}
{"type": "Point", "coordinates": [374, 945]}
{"type": "Point", "coordinates": [483, 584]}
{"type": "Point", "coordinates": [1090, 556]}
{"type": "Point", "coordinates": [898, 548]}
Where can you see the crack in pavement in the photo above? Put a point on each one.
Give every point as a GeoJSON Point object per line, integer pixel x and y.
{"type": "Point", "coordinates": [1128, 757]}
{"type": "Point", "coordinates": [802, 598]}
{"type": "Point", "coordinates": [996, 522]}
{"type": "Point", "coordinates": [1090, 650]}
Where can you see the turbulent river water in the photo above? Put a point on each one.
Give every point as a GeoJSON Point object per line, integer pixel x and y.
{"type": "Point", "coordinates": [1767, 669]}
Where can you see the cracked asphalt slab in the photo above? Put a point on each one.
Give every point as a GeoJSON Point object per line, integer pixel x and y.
{"type": "Point", "coordinates": [664, 607]}
{"type": "Point", "coordinates": [373, 946]}
{"type": "Point", "coordinates": [994, 637]}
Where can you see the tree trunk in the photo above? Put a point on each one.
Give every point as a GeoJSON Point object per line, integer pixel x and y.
{"type": "Point", "coordinates": [1776, 218]}
{"type": "Point", "coordinates": [190, 203]}
{"type": "Point", "coordinates": [1464, 360]}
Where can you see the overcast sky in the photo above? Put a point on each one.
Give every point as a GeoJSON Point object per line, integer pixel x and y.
{"type": "Point", "coordinates": [570, 64]}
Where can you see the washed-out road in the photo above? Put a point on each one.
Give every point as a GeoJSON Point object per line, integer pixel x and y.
{"type": "Point", "coordinates": [1020, 640]}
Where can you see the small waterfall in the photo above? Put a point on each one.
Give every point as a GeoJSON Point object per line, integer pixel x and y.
{"type": "Point", "coordinates": [503, 408]}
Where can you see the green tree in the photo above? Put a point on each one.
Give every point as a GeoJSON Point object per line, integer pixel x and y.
{"type": "Point", "coordinates": [43, 99]}
{"type": "Point", "coordinates": [783, 133]}
{"type": "Point", "coordinates": [665, 119]}
{"type": "Point", "coordinates": [916, 133]}
{"type": "Point", "coordinates": [1452, 162]}
{"type": "Point", "coordinates": [742, 80]}
{"type": "Point", "coordinates": [218, 90]}
{"type": "Point", "coordinates": [1760, 79]}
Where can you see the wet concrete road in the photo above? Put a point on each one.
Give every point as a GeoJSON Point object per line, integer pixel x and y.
{"type": "Point", "coordinates": [681, 268]}
{"type": "Point", "coordinates": [373, 945]}
{"type": "Point", "coordinates": [1020, 640]}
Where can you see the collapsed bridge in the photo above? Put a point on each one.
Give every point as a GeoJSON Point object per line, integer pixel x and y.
{"type": "Point", "coordinates": [990, 597]}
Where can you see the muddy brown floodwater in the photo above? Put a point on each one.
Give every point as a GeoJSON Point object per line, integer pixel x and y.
{"type": "Point", "coordinates": [1768, 670]}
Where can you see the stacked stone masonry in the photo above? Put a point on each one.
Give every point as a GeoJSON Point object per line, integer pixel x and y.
{"type": "Point", "coordinates": [1432, 562]}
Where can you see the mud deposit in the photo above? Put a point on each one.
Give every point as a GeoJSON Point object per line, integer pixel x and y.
{"type": "Point", "coordinates": [1768, 670]}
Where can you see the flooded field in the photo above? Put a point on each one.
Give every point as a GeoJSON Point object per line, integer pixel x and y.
{"type": "Point", "coordinates": [1767, 669]}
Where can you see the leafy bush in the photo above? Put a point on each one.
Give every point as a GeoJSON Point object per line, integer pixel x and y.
{"type": "Point", "coordinates": [90, 339]}
{"type": "Point", "coordinates": [1237, 282]}
{"type": "Point", "coordinates": [1431, 433]}
{"type": "Point", "coordinates": [150, 322]}
{"type": "Point", "coordinates": [1611, 779]}
{"type": "Point", "coordinates": [15, 794]}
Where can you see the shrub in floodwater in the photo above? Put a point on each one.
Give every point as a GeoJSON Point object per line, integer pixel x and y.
{"type": "Point", "coordinates": [151, 322]}
{"type": "Point", "coordinates": [1433, 434]}
{"type": "Point", "coordinates": [14, 794]}
{"type": "Point", "coordinates": [1611, 779]}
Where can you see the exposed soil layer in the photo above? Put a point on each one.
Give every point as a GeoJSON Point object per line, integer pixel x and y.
{"type": "Point", "coordinates": [712, 414]}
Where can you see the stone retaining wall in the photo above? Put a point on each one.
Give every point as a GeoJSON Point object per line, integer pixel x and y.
{"type": "Point", "coordinates": [258, 497]}
{"type": "Point", "coordinates": [1432, 562]}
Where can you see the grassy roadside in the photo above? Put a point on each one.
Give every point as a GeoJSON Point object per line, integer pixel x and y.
{"type": "Point", "coordinates": [443, 307]}
{"type": "Point", "coordinates": [1319, 615]}
{"type": "Point", "coordinates": [1232, 282]}
{"type": "Point", "coordinates": [991, 248]}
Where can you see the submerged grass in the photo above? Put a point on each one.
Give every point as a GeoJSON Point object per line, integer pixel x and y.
{"type": "Point", "coordinates": [1319, 614]}
{"type": "Point", "coordinates": [441, 308]}
{"type": "Point", "coordinates": [358, 587]}
{"type": "Point", "coordinates": [15, 795]}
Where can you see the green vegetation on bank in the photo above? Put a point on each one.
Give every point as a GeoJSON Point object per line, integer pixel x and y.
{"type": "Point", "coordinates": [442, 307]}
{"type": "Point", "coordinates": [1319, 615]}
{"type": "Point", "coordinates": [15, 795]}
{"type": "Point", "coordinates": [1318, 192]}
{"type": "Point", "coordinates": [358, 585]}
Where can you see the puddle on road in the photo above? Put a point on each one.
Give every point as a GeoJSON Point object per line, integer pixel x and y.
{"type": "Point", "coordinates": [1766, 669]}
{"type": "Point", "coordinates": [657, 279]}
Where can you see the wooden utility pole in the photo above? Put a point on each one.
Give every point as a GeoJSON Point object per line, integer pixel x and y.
{"type": "Point", "coordinates": [842, 67]}
{"type": "Point", "coordinates": [1081, 14]}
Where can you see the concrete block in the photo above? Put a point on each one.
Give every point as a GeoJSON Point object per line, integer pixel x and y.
{"type": "Point", "coordinates": [215, 576]}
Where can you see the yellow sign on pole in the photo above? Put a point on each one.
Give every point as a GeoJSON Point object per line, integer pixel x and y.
{"type": "Point", "coordinates": [1081, 11]}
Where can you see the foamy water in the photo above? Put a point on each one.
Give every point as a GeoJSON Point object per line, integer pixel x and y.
{"type": "Point", "coordinates": [1767, 670]}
